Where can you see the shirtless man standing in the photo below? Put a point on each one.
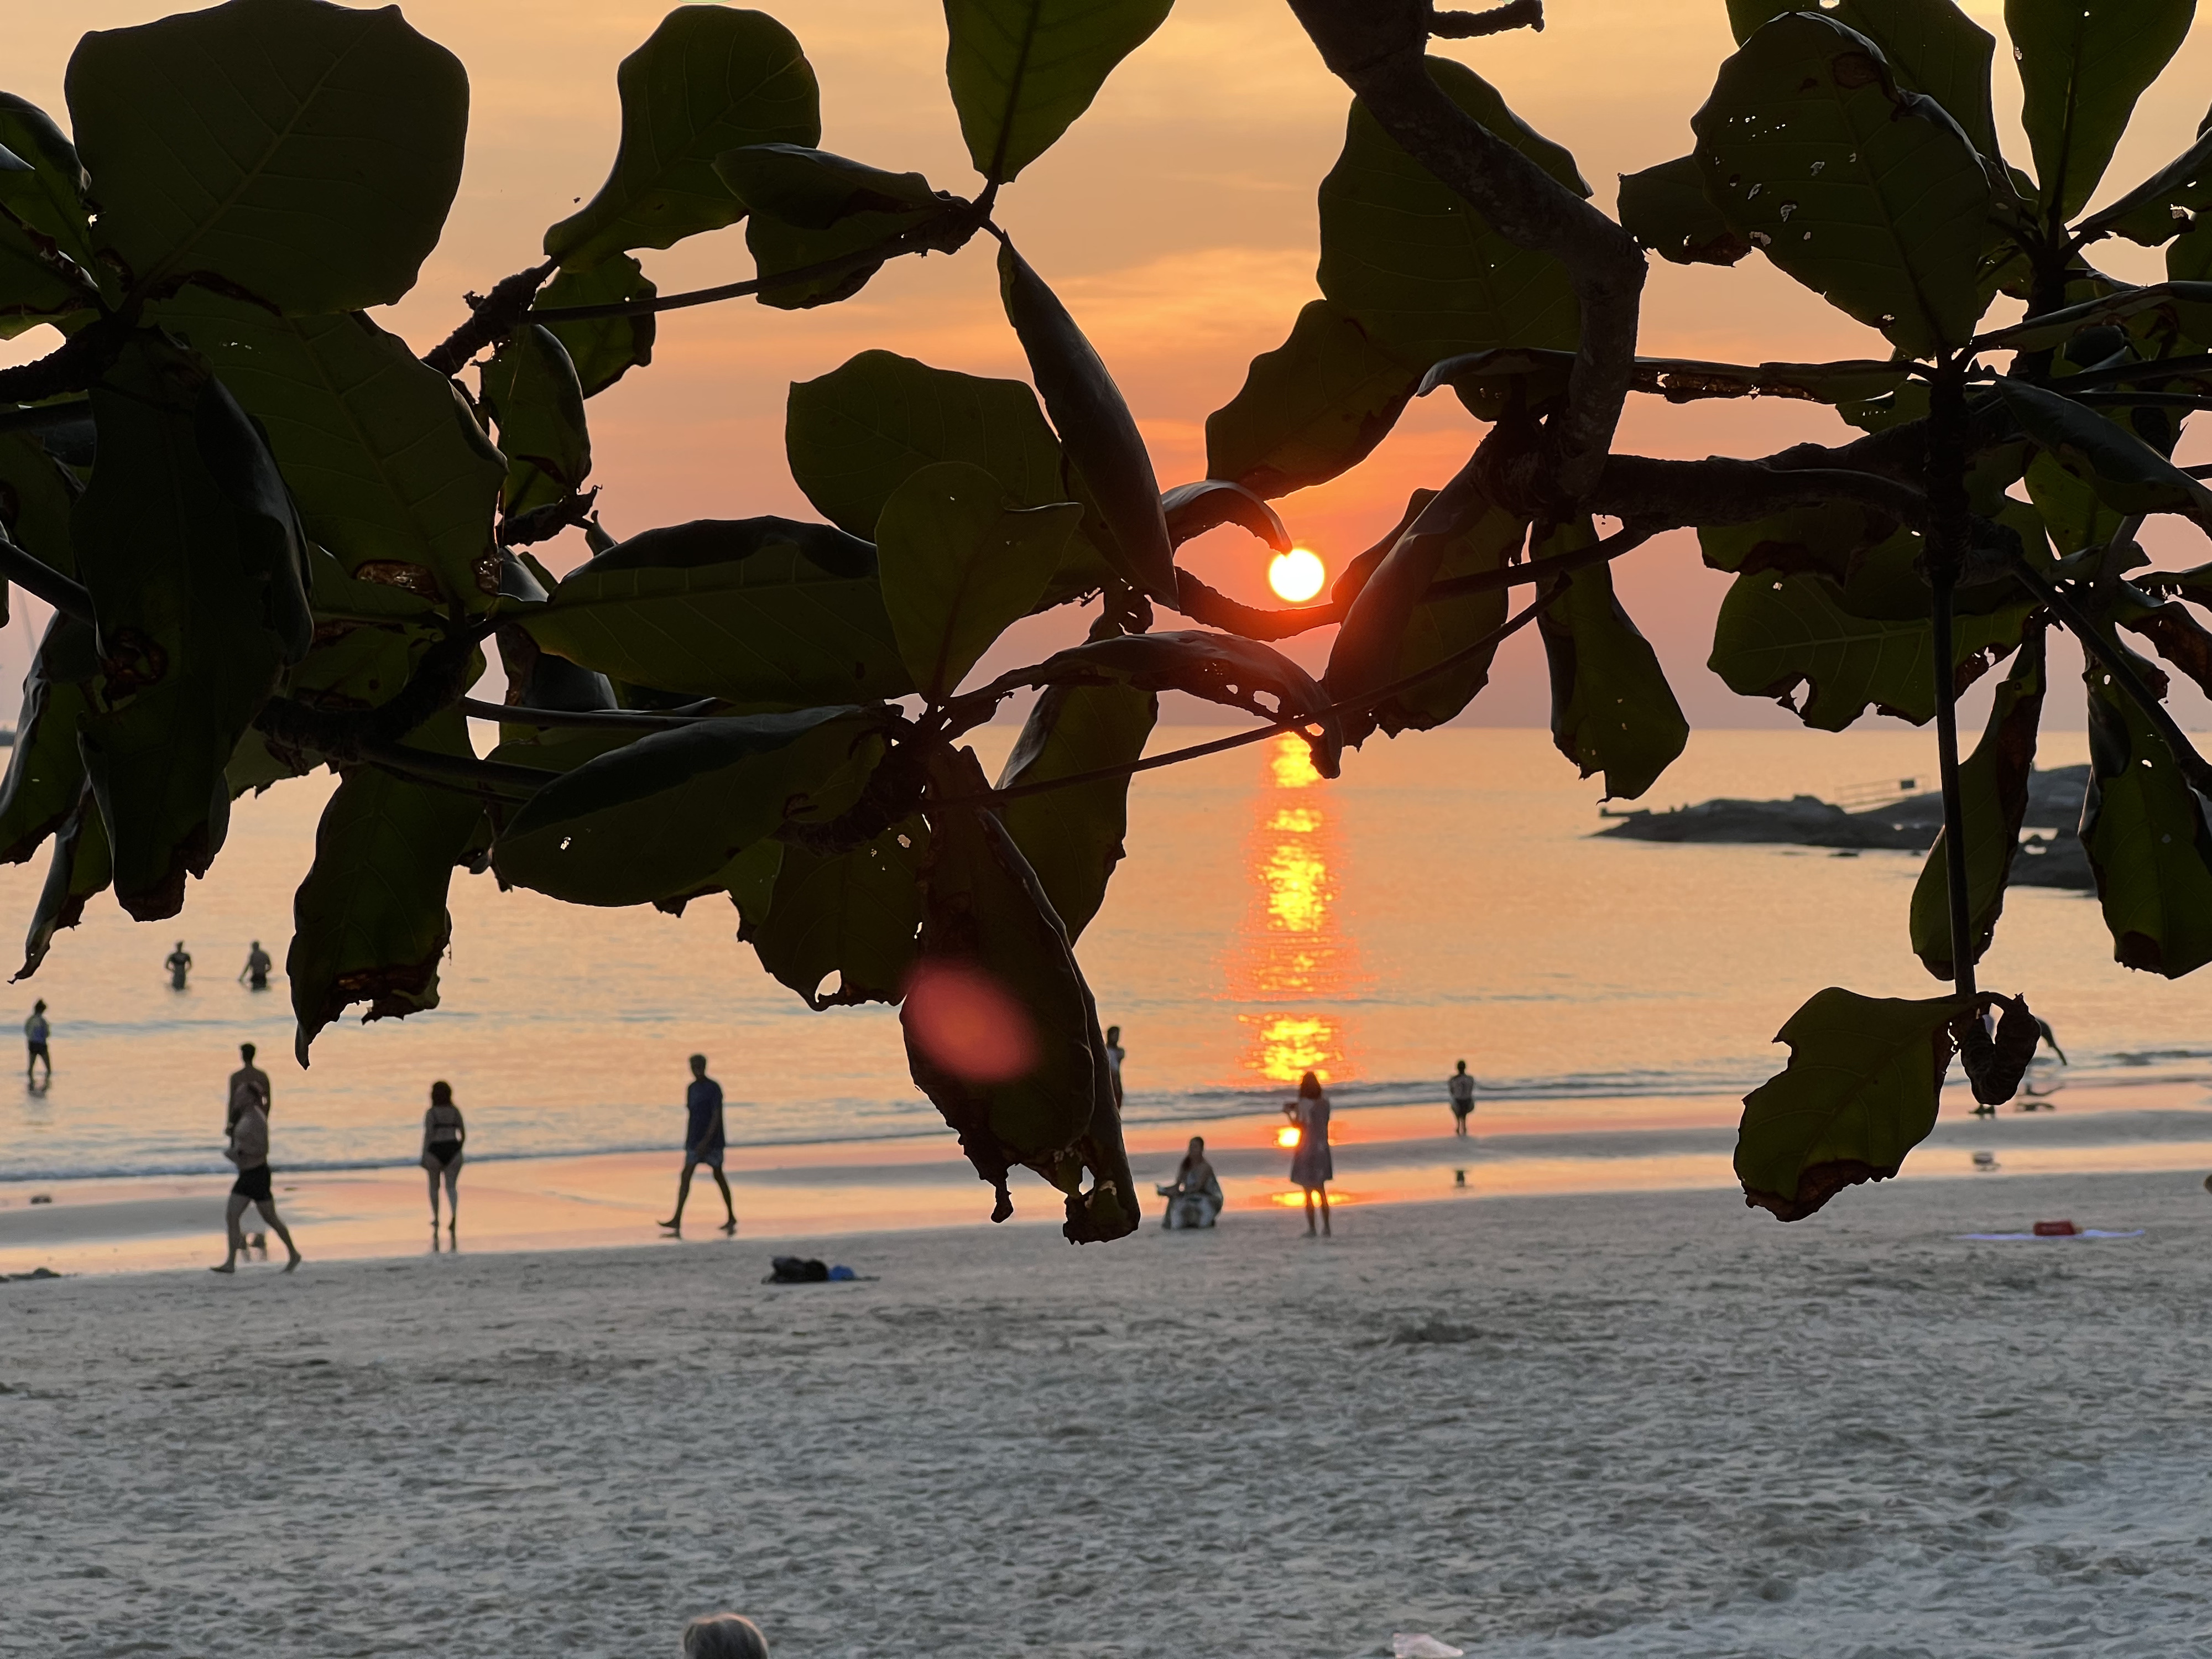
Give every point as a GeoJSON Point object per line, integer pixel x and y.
{"type": "Point", "coordinates": [247, 1079]}
{"type": "Point", "coordinates": [249, 1149]}
{"type": "Point", "coordinates": [257, 964]}
{"type": "Point", "coordinates": [179, 961]}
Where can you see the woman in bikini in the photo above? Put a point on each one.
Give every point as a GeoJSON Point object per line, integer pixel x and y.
{"type": "Point", "coordinates": [442, 1135]}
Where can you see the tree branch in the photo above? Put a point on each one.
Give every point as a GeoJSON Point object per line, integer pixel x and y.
{"type": "Point", "coordinates": [491, 318]}
{"type": "Point", "coordinates": [581, 720]}
{"type": "Point", "coordinates": [74, 365]}
{"type": "Point", "coordinates": [1722, 490]}
{"type": "Point", "coordinates": [42, 581]}
{"type": "Point", "coordinates": [1475, 25]}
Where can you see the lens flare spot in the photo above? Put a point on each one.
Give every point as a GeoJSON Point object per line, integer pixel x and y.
{"type": "Point", "coordinates": [1297, 575]}
{"type": "Point", "coordinates": [966, 1023]}
{"type": "Point", "coordinates": [1287, 1135]}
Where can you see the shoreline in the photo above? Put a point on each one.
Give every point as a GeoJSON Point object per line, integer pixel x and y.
{"type": "Point", "coordinates": [822, 1189]}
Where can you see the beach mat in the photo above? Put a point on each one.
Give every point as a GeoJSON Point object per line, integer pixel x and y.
{"type": "Point", "coordinates": [2048, 1238]}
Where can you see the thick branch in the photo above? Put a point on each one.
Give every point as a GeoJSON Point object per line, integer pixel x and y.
{"type": "Point", "coordinates": [491, 320]}
{"type": "Point", "coordinates": [74, 365]}
{"type": "Point", "coordinates": [1217, 609]}
{"type": "Point", "coordinates": [42, 581]}
{"type": "Point", "coordinates": [1377, 48]}
{"type": "Point", "coordinates": [1475, 25]}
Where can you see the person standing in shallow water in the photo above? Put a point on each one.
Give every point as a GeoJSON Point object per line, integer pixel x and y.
{"type": "Point", "coordinates": [1115, 1056]}
{"type": "Point", "coordinates": [703, 1144]}
{"type": "Point", "coordinates": [35, 1033]}
{"type": "Point", "coordinates": [179, 961]}
{"type": "Point", "coordinates": [257, 964]}
{"type": "Point", "coordinates": [443, 1132]}
{"type": "Point", "coordinates": [1311, 1166]}
{"type": "Point", "coordinates": [1460, 1087]}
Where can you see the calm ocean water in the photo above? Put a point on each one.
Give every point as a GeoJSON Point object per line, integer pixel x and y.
{"type": "Point", "coordinates": [1443, 900]}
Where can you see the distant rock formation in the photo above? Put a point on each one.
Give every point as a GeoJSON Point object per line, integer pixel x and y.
{"type": "Point", "coordinates": [2049, 856]}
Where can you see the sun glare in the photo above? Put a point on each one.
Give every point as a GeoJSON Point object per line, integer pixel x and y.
{"type": "Point", "coordinates": [1287, 1135]}
{"type": "Point", "coordinates": [1297, 575]}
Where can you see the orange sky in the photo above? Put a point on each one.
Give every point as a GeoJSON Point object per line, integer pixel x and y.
{"type": "Point", "coordinates": [1178, 221]}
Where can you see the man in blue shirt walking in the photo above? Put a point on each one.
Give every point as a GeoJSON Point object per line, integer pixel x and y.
{"type": "Point", "coordinates": [703, 1144]}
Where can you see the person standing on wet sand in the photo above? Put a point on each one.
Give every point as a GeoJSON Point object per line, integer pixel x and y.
{"type": "Point", "coordinates": [1311, 1166]}
{"type": "Point", "coordinates": [443, 1132]}
{"type": "Point", "coordinates": [257, 964]}
{"type": "Point", "coordinates": [249, 1149]}
{"type": "Point", "coordinates": [703, 1144]}
{"type": "Point", "coordinates": [1460, 1087]}
{"type": "Point", "coordinates": [35, 1033]}
{"type": "Point", "coordinates": [179, 961]}
{"type": "Point", "coordinates": [1115, 1056]}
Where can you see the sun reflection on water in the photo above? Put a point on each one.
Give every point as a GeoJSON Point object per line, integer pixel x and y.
{"type": "Point", "coordinates": [1292, 958]}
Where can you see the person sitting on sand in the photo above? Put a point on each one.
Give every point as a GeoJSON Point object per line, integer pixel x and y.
{"type": "Point", "coordinates": [724, 1636]}
{"type": "Point", "coordinates": [1311, 1166]}
{"type": "Point", "coordinates": [443, 1132]}
{"type": "Point", "coordinates": [257, 964]}
{"type": "Point", "coordinates": [179, 961]}
{"type": "Point", "coordinates": [1194, 1200]}
{"type": "Point", "coordinates": [35, 1033]}
{"type": "Point", "coordinates": [703, 1144]}
{"type": "Point", "coordinates": [249, 1149]}
{"type": "Point", "coordinates": [1460, 1087]}
{"type": "Point", "coordinates": [248, 1082]}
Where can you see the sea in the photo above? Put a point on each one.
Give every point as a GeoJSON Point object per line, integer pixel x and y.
{"type": "Point", "coordinates": [1446, 899]}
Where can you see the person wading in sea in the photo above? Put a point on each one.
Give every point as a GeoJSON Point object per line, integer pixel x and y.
{"type": "Point", "coordinates": [179, 961]}
{"type": "Point", "coordinates": [703, 1144]}
{"type": "Point", "coordinates": [257, 964]}
{"type": "Point", "coordinates": [35, 1033]}
{"type": "Point", "coordinates": [1460, 1087]}
{"type": "Point", "coordinates": [249, 1149]}
{"type": "Point", "coordinates": [443, 1132]}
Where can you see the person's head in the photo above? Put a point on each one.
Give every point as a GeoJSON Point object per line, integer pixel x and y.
{"type": "Point", "coordinates": [441, 1093]}
{"type": "Point", "coordinates": [257, 945]}
{"type": "Point", "coordinates": [245, 1053]}
{"type": "Point", "coordinates": [180, 945]}
{"type": "Point", "coordinates": [39, 1007]}
{"type": "Point", "coordinates": [724, 1636]}
{"type": "Point", "coordinates": [699, 1069]}
{"type": "Point", "coordinates": [1462, 1065]}
{"type": "Point", "coordinates": [1195, 1152]}
{"type": "Point", "coordinates": [1113, 1034]}
{"type": "Point", "coordinates": [1309, 1087]}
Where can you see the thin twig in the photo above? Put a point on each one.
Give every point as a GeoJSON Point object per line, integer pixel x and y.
{"type": "Point", "coordinates": [488, 774]}
{"type": "Point", "coordinates": [582, 720]}
{"type": "Point", "coordinates": [39, 417]}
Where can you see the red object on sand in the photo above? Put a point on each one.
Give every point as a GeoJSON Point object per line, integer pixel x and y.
{"type": "Point", "coordinates": [2057, 1230]}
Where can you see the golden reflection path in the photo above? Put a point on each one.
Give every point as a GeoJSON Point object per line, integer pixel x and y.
{"type": "Point", "coordinates": [1292, 957]}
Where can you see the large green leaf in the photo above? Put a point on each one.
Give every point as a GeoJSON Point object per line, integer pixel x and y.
{"type": "Point", "coordinates": [49, 196]}
{"type": "Point", "coordinates": [2149, 848]}
{"type": "Point", "coordinates": [660, 817]}
{"type": "Point", "coordinates": [1314, 407]}
{"type": "Point", "coordinates": [854, 915]}
{"type": "Point", "coordinates": [1666, 209]}
{"type": "Point", "coordinates": [1423, 271]}
{"type": "Point", "coordinates": [960, 565]}
{"type": "Point", "coordinates": [1611, 709]}
{"type": "Point", "coordinates": [36, 494]}
{"type": "Point", "coordinates": [82, 867]}
{"type": "Point", "coordinates": [46, 773]}
{"type": "Point", "coordinates": [807, 207]}
{"type": "Point", "coordinates": [2146, 213]}
{"type": "Point", "coordinates": [193, 557]}
{"type": "Point", "coordinates": [303, 152]}
{"type": "Point", "coordinates": [604, 348]}
{"type": "Point", "coordinates": [1993, 789]}
{"type": "Point", "coordinates": [751, 611]}
{"type": "Point", "coordinates": [1931, 45]}
{"type": "Point", "coordinates": [1859, 1093]}
{"type": "Point", "coordinates": [36, 285]}
{"type": "Point", "coordinates": [536, 402]}
{"type": "Point", "coordinates": [709, 79]}
{"type": "Point", "coordinates": [1021, 71]}
{"type": "Point", "coordinates": [390, 470]}
{"type": "Point", "coordinates": [1096, 428]}
{"type": "Point", "coordinates": [1073, 837]}
{"type": "Point", "coordinates": [1868, 194]}
{"type": "Point", "coordinates": [2082, 65]}
{"type": "Point", "coordinates": [2127, 473]}
{"type": "Point", "coordinates": [1775, 633]}
{"type": "Point", "coordinates": [853, 435]}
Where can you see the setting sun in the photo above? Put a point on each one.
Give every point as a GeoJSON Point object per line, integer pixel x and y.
{"type": "Point", "coordinates": [1297, 575]}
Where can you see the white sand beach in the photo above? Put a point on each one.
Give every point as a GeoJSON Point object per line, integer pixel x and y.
{"type": "Point", "coordinates": [1634, 1423]}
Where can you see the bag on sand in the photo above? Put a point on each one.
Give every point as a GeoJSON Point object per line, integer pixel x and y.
{"type": "Point", "coordinates": [797, 1270]}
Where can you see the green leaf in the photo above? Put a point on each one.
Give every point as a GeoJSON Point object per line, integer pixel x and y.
{"type": "Point", "coordinates": [1021, 71]}
{"type": "Point", "coordinates": [1192, 509]}
{"type": "Point", "coordinates": [1314, 407]}
{"type": "Point", "coordinates": [304, 153]}
{"type": "Point", "coordinates": [854, 915]}
{"type": "Point", "coordinates": [1859, 1093]}
{"type": "Point", "coordinates": [1775, 633]}
{"type": "Point", "coordinates": [960, 565]}
{"type": "Point", "coordinates": [1096, 428]}
{"type": "Point", "coordinates": [2144, 831]}
{"type": "Point", "coordinates": [1611, 709]}
{"type": "Point", "coordinates": [46, 773]}
{"type": "Point", "coordinates": [1221, 668]}
{"type": "Point", "coordinates": [36, 494]}
{"type": "Point", "coordinates": [1421, 270]}
{"type": "Point", "coordinates": [2071, 513]}
{"type": "Point", "coordinates": [751, 611]}
{"type": "Point", "coordinates": [1931, 45]}
{"type": "Point", "coordinates": [2146, 213]}
{"type": "Point", "coordinates": [1394, 629]}
{"type": "Point", "coordinates": [1073, 837]}
{"type": "Point", "coordinates": [38, 285]}
{"type": "Point", "coordinates": [193, 557]}
{"type": "Point", "coordinates": [390, 470]}
{"type": "Point", "coordinates": [49, 198]}
{"type": "Point", "coordinates": [82, 867]}
{"type": "Point", "coordinates": [1993, 787]}
{"type": "Point", "coordinates": [1826, 538]}
{"type": "Point", "coordinates": [536, 402]}
{"type": "Point", "coordinates": [2082, 65]}
{"type": "Point", "coordinates": [1666, 209]}
{"type": "Point", "coordinates": [2127, 473]}
{"type": "Point", "coordinates": [1869, 195]}
{"type": "Point", "coordinates": [855, 434]}
{"type": "Point", "coordinates": [709, 79]}
{"type": "Point", "coordinates": [807, 207]}
{"type": "Point", "coordinates": [607, 347]}
{"type": "Point", "coordinates": [660, 817]}
{"type": "Point", "coordinates": [369, 923]}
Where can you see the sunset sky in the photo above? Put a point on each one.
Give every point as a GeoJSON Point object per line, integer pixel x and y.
{"type": "Point", "coordinates": [1176, 220]}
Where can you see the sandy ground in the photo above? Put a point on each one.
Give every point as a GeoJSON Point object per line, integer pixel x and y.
{"type": "Point", "coordinates": [1642, 1424]}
